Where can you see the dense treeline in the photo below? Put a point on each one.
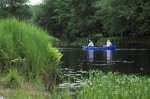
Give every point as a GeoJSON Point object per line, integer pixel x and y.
{"type": "Point", "coordinates": [69, 18]}
{"type": "Point", "coordinates": [76, 18]}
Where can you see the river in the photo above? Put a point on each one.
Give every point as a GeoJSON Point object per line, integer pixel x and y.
{"type": "Point", "coordinates": [76, 63]}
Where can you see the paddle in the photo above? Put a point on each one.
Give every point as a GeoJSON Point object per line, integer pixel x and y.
{"type": "Point", "coordinates": [87, 42]}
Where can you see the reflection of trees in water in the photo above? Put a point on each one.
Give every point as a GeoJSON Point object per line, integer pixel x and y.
{"type": "Point", "coordinates": [91, 55]}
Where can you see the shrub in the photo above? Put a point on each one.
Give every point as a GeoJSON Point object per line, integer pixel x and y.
{"type": "Point", "coordinates": [28, 49]}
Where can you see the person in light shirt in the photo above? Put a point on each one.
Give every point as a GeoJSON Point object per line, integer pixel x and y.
{"type": "Point", "coordinates": [108, 43]}
{"type": "Point", "coordinates": [90, 43]}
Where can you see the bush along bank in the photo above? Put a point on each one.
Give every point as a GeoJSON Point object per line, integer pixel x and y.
{"type": "Point", "coordinates": [28, 49]}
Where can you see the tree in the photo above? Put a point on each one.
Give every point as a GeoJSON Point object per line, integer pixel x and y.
{"type": "Point", "coordinates": [47, 17]}
{"type": "Point", "coordinates": [15, 8]}
{"type": "Point", "coordinates": [69, 18]}
{"type": "Point", "coordinates": [82, 20]}
{"type": "Point", "coordinates": [124, 17]}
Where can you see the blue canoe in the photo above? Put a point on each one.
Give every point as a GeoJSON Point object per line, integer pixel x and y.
{"type": "Point", "coordinates": [113, 47]}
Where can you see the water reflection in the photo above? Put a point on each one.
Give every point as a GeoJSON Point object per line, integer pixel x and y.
{"type": "Point", "coordinates": [99, 55]}
{"type": "Point", "coordinates": [91, 55]}
{"type": "Point", "coordinates": [108, 56]}
{"type": "Point", "coordinates": [120, 60]}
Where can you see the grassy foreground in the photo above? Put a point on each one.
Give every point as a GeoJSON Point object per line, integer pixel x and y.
{"type": "Point", "coordinates": [14, 86]}
{"type": "Point", "coordinates": [115, 86]}
{"type": "Point", "coordinates": [98, 85]}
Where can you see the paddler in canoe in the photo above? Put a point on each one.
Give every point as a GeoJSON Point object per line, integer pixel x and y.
{"type": "Point", "coordinates": [90, 43]}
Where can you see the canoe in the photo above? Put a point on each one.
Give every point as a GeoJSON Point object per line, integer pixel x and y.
{"type": "Point", "coordinates": [113, 47]}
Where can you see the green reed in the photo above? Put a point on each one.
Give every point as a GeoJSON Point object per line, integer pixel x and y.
{"type": "Point", "coordinates": [115, 86]}
{"type": "Point", "coordinates": [28, 48]}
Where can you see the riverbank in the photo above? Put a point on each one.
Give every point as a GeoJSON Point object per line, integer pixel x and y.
{"type": "Point", "coordinates": [28, 61]}
{"type": "Point", "coordinates": [15, 86]}
{"type": "Point", "coordinates": [123, 42]}
{"type": "Point", "coordinates": [98, 85]}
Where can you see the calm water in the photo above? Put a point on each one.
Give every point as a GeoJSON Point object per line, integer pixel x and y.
{"type": "Point", "coordinates": [76, 63]}
{"type": "Point", "coordinates": [127, 61]}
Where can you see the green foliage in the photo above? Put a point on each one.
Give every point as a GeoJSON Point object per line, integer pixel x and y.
{"type": "Point", "coordinates": [82, 21]}
{"type": "Point", "coordinates": [13, 86]}
{"type": "Point", "coordinates": [19, 94]}
{"type": "Point", "coordinates": [100, 85]}
{"type": "Point", "coordinates": [110, 85]}
{"type": "Point", "coordinates": [38, 83]}
{"type": "Point", "coordinates": [76, 18]}
{"type": "Point", "coordinates": [26, 94]}
{"type": "Point", "coordinates": [47, 17]}
{"type": "Point", "coordinates": [68, 18]}
{"type": "Point", "coordinates": [27, 48]}
{"type": "Point", "coordinates": [13, 79]}
{"type": "Point", "coordinates": [16, 8]}
{"type": "Point", "coordinates": [4, 60]}
{"type": "Point", "coordinates": [124, 16]}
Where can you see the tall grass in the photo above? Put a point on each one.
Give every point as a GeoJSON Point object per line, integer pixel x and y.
{"type": "Point", "coordinates": [13, 86]}
{"type": "Point", "coordinates": [27, 48]}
